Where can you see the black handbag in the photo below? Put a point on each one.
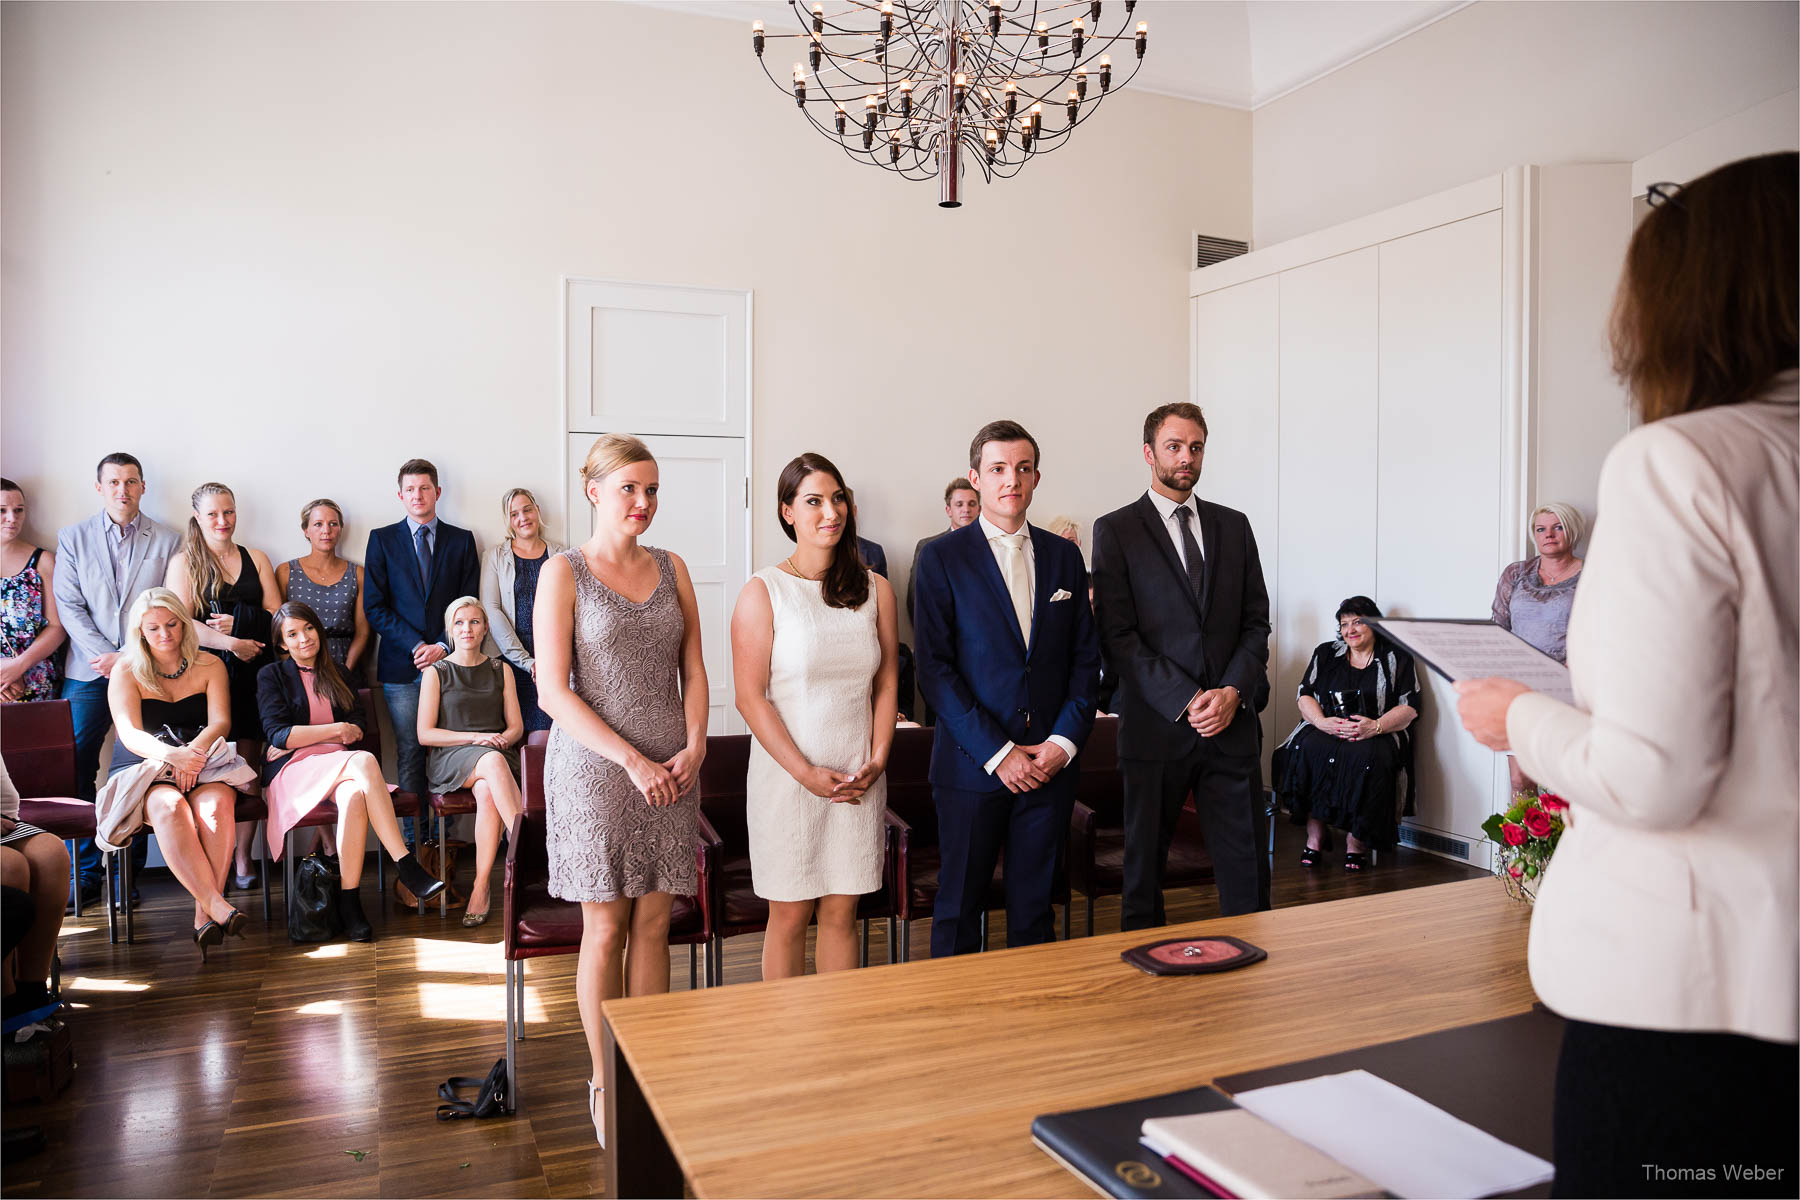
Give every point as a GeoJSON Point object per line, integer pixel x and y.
{"type": "Point", "coordinates": [490, 1100]}
{"type": "Point", "coordinates": [312, 910]}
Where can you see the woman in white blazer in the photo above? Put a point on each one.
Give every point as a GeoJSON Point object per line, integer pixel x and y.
{"type": "Point", "coordinates": [509, 574]}
{"type": "Point", "coordinates": [1666, 928]}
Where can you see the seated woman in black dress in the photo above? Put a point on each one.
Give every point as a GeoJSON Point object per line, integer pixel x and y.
{"type": "Point", "coordinates": [1343, 765]}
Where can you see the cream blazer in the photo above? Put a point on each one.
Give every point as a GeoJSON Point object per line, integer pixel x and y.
{"type": "Point", "coordinates": [1671, 902]}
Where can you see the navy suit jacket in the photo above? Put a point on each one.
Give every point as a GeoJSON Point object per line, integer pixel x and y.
{"type": "Point", "coordinates": [403, 611]}
{"type": "Point", "coordinates": [973, 666]}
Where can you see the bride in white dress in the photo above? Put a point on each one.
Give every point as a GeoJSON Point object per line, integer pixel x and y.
{"type": "Point", "coordinates": [814, 650]}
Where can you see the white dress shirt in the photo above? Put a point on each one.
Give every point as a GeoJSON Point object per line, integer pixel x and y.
{"type": "Point", "coordinates": [1172, 523]}
{"type": "Point", "coordinates": [993, 533]}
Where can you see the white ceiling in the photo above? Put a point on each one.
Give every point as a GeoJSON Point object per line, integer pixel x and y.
{"type": "Point", "coordinates": [1240, 53]}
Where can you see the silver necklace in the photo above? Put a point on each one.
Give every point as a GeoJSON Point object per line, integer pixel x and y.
{"type": "Point", "coordinates": [176, 675]}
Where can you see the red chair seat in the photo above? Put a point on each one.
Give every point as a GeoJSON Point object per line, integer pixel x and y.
{"type": "Point", "coordinates": [63, 817]}
{"type": "Point", "coordinates": [1189, 863]}
{"type": "Point", "coordinates": [406, 804]}
{"type": "Point", "coordinates": [452, 804]}
{"type": "Point", "coordinates": [251, 807]}
{"type": "Point", "coordinates": [743, 910]}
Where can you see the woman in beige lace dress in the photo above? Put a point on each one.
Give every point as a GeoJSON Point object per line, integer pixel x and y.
{"type": "Point", "coordinates": [620, 672]}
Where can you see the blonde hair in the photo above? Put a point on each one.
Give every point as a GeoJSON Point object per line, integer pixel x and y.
{"type": "Point", "coordinates": [1574, 526]}
{"type": "Point", "coordinates": [456, 606]}
{"type": "Point", "coordinates": [513, 494]}
{"type": "Point", "coordinates": [136, 651]}
{"type": "Point", "coordinates": [204, 576]}
{"type": "Point", "coordinates": [609, 453]}
{"type": "Point", "coordinates": [1065, 527]}
{"type": "Point", "coordinates": [306, 511]}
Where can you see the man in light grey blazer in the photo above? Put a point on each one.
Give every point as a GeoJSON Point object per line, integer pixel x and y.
{"type": "Point", "coordinates": [102, 565]}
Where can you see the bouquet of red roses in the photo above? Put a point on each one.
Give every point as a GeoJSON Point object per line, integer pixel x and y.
{"type": "Point", "coordinates": [1524, 838]}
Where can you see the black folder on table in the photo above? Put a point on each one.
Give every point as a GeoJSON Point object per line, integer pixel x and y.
{"type": "Point", "coordinates": [1101, 1144]}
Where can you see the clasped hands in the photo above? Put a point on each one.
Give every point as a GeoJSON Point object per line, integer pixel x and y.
{"type": "Point", "coordinates": [1349, 729]}
{"type": "Point", "coordinates": [841, 788]}
{"type": "Point", "coordinates": [666, 782]}
{"type": "Point", "coordinates": [426, 653]}
{"type": "Point", "coordinates": [1027, 768]}
{"type": "Point", "coordinates": [1212, 710]}
{"type": "Point", "coordinates": [186, 762]}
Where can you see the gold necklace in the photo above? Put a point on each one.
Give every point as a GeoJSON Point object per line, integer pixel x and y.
{"type": "Point", "coordinates": [802, 574]}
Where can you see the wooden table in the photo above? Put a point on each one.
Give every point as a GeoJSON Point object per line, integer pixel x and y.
{"type": "Point", "coordinates": [922, 1079]}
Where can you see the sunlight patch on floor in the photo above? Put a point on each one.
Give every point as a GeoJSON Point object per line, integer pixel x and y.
{"type": "Point", "coordinates": [82, 983]}
{"type": "Point", "coordinates": [459, 958]}
{"type": "Point", "coordinates": [330, 950]}
{"type": "Point", "coordinates": [322, 1008]}
{"type": "Point", "coordinates": [473, 1002]}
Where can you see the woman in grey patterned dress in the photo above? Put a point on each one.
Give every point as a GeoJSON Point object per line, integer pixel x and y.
{"type": "Point", "coordinates": [620, 672]}
{"type": "Point", "coordinates": [338, 602]}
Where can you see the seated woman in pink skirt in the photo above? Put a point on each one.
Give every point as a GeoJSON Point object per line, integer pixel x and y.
{"type": "Point", "coordinates": [314, 720]}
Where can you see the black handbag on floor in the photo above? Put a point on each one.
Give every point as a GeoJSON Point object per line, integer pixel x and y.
{"type": "Point", "coordinates": [490, 1100]}
{"type": "Point", "coordinates": [312, 910]}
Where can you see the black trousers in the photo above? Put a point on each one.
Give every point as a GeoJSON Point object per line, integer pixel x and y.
{"type": "Point", "coordinates": [973, 829]}
{"type": "Point", "coordinates": [1648, 1113]}
{"type": "Point", "coordinates": [1227, 792]}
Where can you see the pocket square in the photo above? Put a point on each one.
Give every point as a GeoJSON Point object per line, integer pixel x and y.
{"type": "Point", "coordinates": [1061, 594]}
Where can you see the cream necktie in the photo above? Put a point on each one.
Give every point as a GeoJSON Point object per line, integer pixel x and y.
{"type": "Point", "coordinates": [1012, 567]}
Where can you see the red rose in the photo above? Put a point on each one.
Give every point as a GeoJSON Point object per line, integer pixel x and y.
{"type": "Point", "coordinates": [1516, 871]}
{"type": "Point", "coordinates": [1553, 802]}
{"type": "Point", "coordinates": [1537, 822]}
{"type": "Point", "coordinates": [1514, 834]}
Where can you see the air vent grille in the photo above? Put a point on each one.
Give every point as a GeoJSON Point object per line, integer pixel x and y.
{"type": "Point", "coordinates": [1210, 250]}
{"type": "Point", "coordinates": [1436, 842]}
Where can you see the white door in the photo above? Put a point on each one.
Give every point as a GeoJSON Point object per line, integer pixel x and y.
{"type": "Point", "coordinates": [672, 366]}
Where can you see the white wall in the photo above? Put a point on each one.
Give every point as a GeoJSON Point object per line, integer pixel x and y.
{"type": "Point", "coordinates": [290, 245]}
{"type": "Point", "coordinates": [1499, 84]}
{"type": "Point", "coordinates": [1764, 128]}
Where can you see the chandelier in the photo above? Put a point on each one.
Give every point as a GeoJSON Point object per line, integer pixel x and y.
{"type": "Point", "coordinates": [910, 85]}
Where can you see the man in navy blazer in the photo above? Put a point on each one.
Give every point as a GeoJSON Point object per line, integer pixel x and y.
{"type": "Point", "coordinates": [413, 569]}
{"type": "Point", "coordinates": [1009, 659]}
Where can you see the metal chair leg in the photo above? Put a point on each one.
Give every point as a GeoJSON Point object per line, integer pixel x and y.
{"type": "Point", "coordinates": [906, 941]}
{"type": "Point", "coordinates": [693, 966]}
{"type": "Point", "coordinates": [520, 985]}
{"type": "Point", "coordinates": [125, 872]}
{"type": "Point", "coordinates": [862, 957]}
{"type": "Point", "coordinates": [74, 875]}
{"type": "Point", "coordinates": [380, 870]}
{"type": "Point", "coordinates": [267, 862]}
{"type": "Point", "coordinates": [513, 1021]}
{"type": "Point", "coordinates": [1066, 907]}
{"type": "Point", "coordinates": [893, 940]}
{"type": "Point", "coordinates": [716, 947]}
{"type": "Point", "coordinates": [443, 869]}
{"type": "Point", "coordinates": [1090, 916]}
{"type": "Point", "coordinates": [106, 883]}
{"type": "Point", "coordinates": [984, 932]}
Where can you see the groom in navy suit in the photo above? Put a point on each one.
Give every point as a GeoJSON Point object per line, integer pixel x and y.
{"type": "Point", "coordinates": [1009, 660]}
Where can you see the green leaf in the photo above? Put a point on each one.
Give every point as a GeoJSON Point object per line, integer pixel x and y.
{"type": "Point", "coordinates": [358, 1155]}
{"type": "Point", "coordinates": [462, 1166]}
{"type": "Point", "coordinates": [1491, 827]}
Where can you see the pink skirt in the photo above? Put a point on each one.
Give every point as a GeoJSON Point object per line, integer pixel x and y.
{"type": "Point", "coordinates": [307, 781]}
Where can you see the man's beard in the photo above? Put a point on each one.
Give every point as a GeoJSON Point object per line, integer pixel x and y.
{"type": "Point", "coordinates": [1174, 482]}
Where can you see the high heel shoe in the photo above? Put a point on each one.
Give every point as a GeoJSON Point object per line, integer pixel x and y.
{"type": "Point", "coordinates": [418, 880]}
{"type": "Point", "coordinates": [597, 1112]}
{"type": "Point", "coordinates": [209, 934]}
{"type": "Point", "coordinates": [235, 923]}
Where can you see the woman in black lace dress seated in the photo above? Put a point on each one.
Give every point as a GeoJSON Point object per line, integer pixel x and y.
{"type": "Point", "coordinates": [1348, 764]}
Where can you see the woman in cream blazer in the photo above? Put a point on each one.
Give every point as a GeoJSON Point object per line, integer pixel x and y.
{"type": "Point", "coordinates": [1666, 928]}
{"type": "Point", "coordinates": [509, 577]}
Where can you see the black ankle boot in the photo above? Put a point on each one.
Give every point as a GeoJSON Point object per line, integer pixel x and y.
{"type": "Point", "coordinates": [356, 924]}
{"type": "Point", "coordinates": [418, 880]}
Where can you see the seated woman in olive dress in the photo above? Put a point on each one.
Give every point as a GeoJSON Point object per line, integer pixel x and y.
{"type": "Point", "coordinates": [471, 727]}
{"type": "Point", "coordinates": [1343, 764]}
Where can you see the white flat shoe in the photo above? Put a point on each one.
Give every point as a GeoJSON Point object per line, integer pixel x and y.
{"type": "Point", "coordinates": [597, 1111]}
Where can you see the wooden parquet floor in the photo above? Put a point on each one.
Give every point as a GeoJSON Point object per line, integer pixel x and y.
{"type": "Point", "coordinates": [281, 1070]}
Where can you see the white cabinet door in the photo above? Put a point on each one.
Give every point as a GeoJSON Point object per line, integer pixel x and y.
{"type": "Point", "coordinates": [1328, 439]}
{"type": "Point", "coordinates": [1235, 379]}
{"type": "Point", "coordinates": [1440, 456]}
{"type": "Point", "coordinates": [701, 516]}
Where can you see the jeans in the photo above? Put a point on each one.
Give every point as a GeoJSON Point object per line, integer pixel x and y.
{"type": "Point", "coordinates": [409, 756]}
{"type": "Point", "coordinates": [93, 720]}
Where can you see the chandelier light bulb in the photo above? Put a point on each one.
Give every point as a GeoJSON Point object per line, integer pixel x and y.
{"type": "Point", "coordinates": [961, 92]}
{"type": "Point", "coordinates": [815, 52]}
{"type": "Point", "coordinates": [756, 37]}
{"type": "Point", "coordinates": [842, 119]}
{"type": "Point", "coordinates": [994, 17]}
{"type": "Point", "coordinates": [799, 85]}
{"type": "Point", "coordinates": [1043, 34]}
{"type": "Point", "coordinates": [1143, 37]}
{"type": "Point", "coordinates": [1105, 73]}
{"type": "Point", "coordinates": [887, 20]}
{"type": "Point", "coordinates": [1081, 82]}
{"type": "Point", "coordinates": [818, 18]}
{"type": "Point", "coordinates": [906, 98]}
{"type": "Point", "coordinates": [1012, 98]}
{"type": "Point", "coordinates": [894, 146]}
{"type": "Point", "coordinates": [1074, 105]}
{"type": "Point", "coordinates": [1076, 33]}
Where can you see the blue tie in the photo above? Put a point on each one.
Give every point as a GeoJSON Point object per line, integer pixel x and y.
{"type": "Point", "coordinates": [422, 544]}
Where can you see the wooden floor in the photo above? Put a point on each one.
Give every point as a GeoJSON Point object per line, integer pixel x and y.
{"type": "Point", "coordinates": [280, 1070]}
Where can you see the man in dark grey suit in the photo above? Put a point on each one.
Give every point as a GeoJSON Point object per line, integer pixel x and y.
{"type": "Point", "coordinates": [102, 565]}
{"type": "Point", "coordinates": [962, 504]}
{"type": "Point", "coordinates": [1183, 616]}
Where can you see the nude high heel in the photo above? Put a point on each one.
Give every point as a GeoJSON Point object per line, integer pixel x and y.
{"type": "Point", "coordinates": [597, 1112]}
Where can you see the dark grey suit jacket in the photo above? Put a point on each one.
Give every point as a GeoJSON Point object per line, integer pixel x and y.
{"type": "Point", "coordinates": [912, 576]}
{"type": "Point", "coordinates": [1162, 645]}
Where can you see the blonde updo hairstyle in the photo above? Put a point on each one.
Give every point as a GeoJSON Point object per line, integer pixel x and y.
{"type": "Point", "coordinates": [306, 511]}
{"type": "Point", "coordinates": [136, 651]}
{"type": "Point", "coordinates": [1574, 526]}
{"type": "Point", "coordinates": [611, 452]}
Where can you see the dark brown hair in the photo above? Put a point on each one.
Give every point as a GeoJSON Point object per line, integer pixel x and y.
{"type": "Point", "coordinates": [1705, 312]}
{"type": "Point", "coordinates": [329, 681]}
{"type": "Point", "coordinates": [846, 582]}
{"type": "Point", "coordinates": [118, 458]}
{"type": "Point", "coordinates": [7, 485]}
{"type": "Point", "coordinates": [1182, 409]}
{"type": "Point", "coordinates": [959, 484]}
{"type": "Point", "coordinates": [1001, 431]}
{"type": "Point", "coordinates": [416, 466]}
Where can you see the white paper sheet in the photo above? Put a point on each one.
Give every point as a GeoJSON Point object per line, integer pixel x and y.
{"type": "Point", "coordinates": [1413, 1149]}
{"type": "Point", "coordinates": [1477, 649]}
